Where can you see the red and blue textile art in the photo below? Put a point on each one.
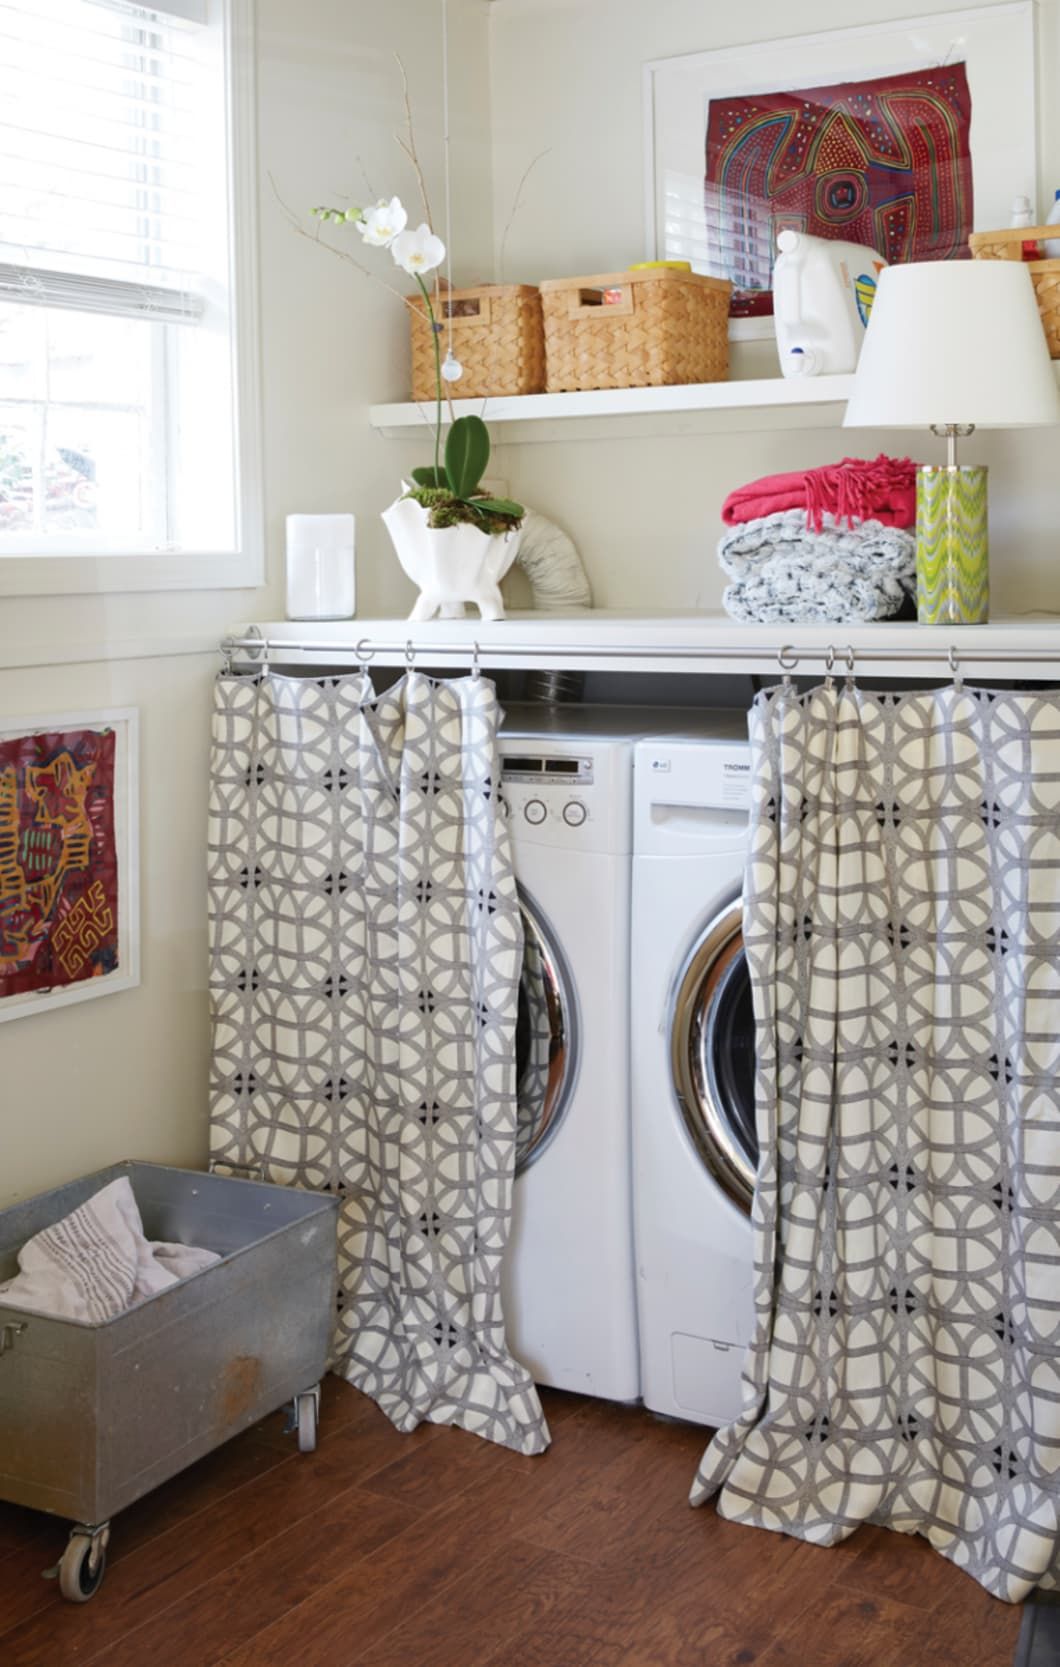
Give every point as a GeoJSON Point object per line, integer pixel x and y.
{"type": "Point", "coordinates": [885, 163]}
{"type": "Point", "coordinates": [58, 861]}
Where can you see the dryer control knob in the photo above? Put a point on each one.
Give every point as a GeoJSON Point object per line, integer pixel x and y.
{"type": "Point", "coordinates": [574, 814]}
{"type": "Point", "coordinates": [534, 811]}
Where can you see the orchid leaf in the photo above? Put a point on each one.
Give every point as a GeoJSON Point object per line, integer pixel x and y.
{"type": "Point", "coordinates": [436, 479]}
{"type": "Point", "coordinates": [467, 454]}
{"type": "Point", "coordinates": [499, 506]}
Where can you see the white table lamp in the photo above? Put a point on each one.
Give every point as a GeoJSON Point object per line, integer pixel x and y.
{"type": "Point", "coordinates": [953, 346]}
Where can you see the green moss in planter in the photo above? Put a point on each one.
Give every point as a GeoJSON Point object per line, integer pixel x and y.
{"type": "Point", "coordinates": [445, 510]}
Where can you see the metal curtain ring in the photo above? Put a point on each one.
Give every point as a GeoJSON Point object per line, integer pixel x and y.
{"type": "Point", "coordinates": [364, 654]}
{"type": "Point", "coordinates": [850, 660]}
{"type": "Point", "coordinates": [787, 664]}
{"type": "Point", "coordinates": [410, 653]}
{"type": "Point", "coordinates": [226, 656]}
{"type": "Point", "coordinates": [475, 672]}
{"type": "Point", "coordinates": [955, 670]}
{"type": "Point", "coordinates": [829, 660]}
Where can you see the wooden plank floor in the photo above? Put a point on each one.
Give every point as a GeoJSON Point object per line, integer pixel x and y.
{"type": "Point", "coordinates": [439, 1550]}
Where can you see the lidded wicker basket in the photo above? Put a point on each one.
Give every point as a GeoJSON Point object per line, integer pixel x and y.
{"type": "Point", "coordinates": [643, 329]}
{"type": "Point", "coordinates": [497, 335]}
{"type": "Point", "coordinates": [1045, 274]}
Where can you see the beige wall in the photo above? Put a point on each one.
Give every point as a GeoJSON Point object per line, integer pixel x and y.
{"type": "Point", "coordinates": [336, 341]}
{"type": "Point", "coordinates": [566, 77]}
{"type": "Point", "coordinates": [125, 1075]}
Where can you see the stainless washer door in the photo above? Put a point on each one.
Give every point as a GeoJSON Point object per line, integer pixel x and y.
{"type": "Point", "coordinates": [545, 1037]}
{"type": "Point", "coordinates": [712, 1054]}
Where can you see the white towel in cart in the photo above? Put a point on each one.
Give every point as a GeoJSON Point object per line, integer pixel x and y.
{"type": "Point", "coordinates": [97, 1262]}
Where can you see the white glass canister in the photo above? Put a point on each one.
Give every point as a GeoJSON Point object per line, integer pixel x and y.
{"type": "Point", "coordinates": [320, 582]}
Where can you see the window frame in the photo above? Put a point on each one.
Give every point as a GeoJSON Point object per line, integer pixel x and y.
{"type": "Point", "coordinates": [33, 573]}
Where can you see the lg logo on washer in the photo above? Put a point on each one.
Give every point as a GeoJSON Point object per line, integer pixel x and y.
{"type": "Point", "coordinates": [730, 768]}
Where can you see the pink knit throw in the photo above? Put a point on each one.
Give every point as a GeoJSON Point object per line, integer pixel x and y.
{"type": "Point", "coordinates": [851, 490]}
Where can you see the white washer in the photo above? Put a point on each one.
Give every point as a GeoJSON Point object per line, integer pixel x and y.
{"type": "Point", "coordinates": [568, 1280]}
{"type": "Point", "coordinates": [692, 1041]}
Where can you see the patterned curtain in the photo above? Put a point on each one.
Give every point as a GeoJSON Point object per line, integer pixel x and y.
{"type": "Point", "coordinates": [902, 919]}
{"type": "Point", "coordinates": [365, 958]}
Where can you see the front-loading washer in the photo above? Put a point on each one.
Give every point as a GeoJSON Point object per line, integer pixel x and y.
{"type": "Point", "coordinates": [692, 1046]}
{"type": "Point", "coordinates": [568, 1280]}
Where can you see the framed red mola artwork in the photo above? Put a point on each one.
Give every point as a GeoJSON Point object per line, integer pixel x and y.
{"type": "Point", "coordinates": [904, 136]}
{"type": "Point", "coordinates": [885, 162]}
{"type": "Point", "coordinates": [69, 892]}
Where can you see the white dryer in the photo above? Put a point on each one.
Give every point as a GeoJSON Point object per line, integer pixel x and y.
{"type": "Point", "coordinates": [568, 1280]}
{"type": "Point", "coordinates": [692, 1042]}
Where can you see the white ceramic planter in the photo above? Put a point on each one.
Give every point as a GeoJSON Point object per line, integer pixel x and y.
{"type": "Point", "coordinates": [451, 565]}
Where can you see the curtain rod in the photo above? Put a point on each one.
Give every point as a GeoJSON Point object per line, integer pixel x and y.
{"type": "Point", "coordinates": [786, 655]}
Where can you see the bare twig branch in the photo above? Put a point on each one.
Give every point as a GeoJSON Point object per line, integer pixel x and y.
{"type": "Point", "coordinates": [408, 144]}
{"type": "Point", "coordinates": [516, 202]}
{"type": "Point", "coordinates": [373, 195]}
{"type": "Point", "coordinates": [340, 254]}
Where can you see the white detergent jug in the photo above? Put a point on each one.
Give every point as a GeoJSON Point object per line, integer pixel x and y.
{"type": "Point", "coordinates": [822, 296]}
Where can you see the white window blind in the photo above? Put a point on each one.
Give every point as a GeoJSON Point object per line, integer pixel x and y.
{"type": "Point", "coordinates": [722, 241]}
{"type": "Point", "coordinates": [127, 295]}
{"type": "Point", "coordinates": [105, 193]}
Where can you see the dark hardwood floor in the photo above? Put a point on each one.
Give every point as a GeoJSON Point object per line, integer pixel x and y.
{"type": "Point", "coordinates": [438, 1550]}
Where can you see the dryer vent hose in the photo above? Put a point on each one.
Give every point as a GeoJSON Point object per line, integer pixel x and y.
{"type": "Point", "coordinates": [553, 688]}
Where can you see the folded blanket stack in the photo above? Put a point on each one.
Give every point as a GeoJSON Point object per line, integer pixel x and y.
{"type": "Point", "coordinates": [822, 546]}
{"type": "Point", "coordinates": [782, 570]}
{"type": "Point", "coordinates": [97, 1262]}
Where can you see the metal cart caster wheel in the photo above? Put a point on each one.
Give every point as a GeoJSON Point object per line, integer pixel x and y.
{"type": "Point", "coordinates": [307, 1407]}
{"type": "Point", "coordinates": [82, 1566]}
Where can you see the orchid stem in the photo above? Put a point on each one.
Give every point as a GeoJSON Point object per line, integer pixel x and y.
{"type": "Point", "coordinates": [437, 376]}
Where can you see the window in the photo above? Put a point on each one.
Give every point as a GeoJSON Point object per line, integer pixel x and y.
{"type": "Point", "coordinates": [126, 295]}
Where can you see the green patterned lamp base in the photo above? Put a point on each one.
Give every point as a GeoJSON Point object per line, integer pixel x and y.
{"type": "Point", "coordinates": [952, 550]}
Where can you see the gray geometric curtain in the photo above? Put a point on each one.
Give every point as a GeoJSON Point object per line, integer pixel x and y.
{"type": "Point", "coordinates": [366, 947]}
{"type": "Point", "coordinates": [902, 923]}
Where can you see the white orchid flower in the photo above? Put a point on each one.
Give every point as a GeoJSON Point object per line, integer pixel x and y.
{"type": "Point", "coordinates": [418, 251]}
{"type": "Point", "coordinates": [381, 224]}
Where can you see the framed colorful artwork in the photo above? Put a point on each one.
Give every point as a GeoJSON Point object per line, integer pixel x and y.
{"type": "Point", "coordinates": [69, 880]}
{"type": "Point", "coordinates": [903, 136]}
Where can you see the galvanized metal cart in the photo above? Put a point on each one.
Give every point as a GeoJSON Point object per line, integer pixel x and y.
{"type": "Point", "coordinates": [94, 1416]}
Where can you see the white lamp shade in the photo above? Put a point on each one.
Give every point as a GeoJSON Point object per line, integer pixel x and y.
{"type": "Point", "coordinates": [954, 342]}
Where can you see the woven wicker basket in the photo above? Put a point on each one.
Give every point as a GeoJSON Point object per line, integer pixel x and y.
{"type": "Point", "coordinates": [646, 329]}
{"type": "Point", "coordinates": [1045, 274]}
{"type": "Point", "coordinates": [497, 336]}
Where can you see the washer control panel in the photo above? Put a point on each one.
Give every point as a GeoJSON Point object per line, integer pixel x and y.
{"type": "Point", "coordinates": [551, 794]}
{"type": "Point", "coordinates": [568, 792]}
{"type": "Point", "coordinates": [554, 770]}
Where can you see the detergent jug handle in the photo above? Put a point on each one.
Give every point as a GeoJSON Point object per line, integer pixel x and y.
{"type": "Point", "coordinates": [787, 294]}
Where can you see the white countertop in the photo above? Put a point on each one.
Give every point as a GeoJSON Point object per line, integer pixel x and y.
{"type": "Point", "coordinates": [613, 640]}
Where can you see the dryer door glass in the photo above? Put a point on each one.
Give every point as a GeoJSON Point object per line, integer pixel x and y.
{"type": "Point", "coordinates": [544, 1037]}
{"type": "Point", "coordinates": [712, 1054]}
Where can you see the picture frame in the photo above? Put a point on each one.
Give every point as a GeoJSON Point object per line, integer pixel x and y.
{"type": "Point", "coordinates": [996, 43]}
{"type": "Point", "coordinates": [69, 859]}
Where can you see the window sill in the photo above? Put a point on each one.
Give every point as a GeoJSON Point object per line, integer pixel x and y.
{"type": "Point", "coordinates": [61, 575]}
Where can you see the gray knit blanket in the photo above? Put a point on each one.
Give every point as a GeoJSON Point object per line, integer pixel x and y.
{"type": "Point", "coordinates": [782, 571]}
